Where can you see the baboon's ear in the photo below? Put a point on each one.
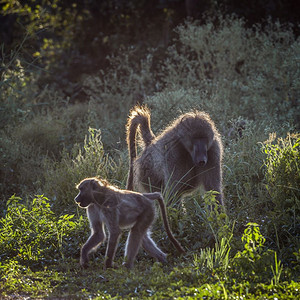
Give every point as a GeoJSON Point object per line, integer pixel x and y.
{"type": "Point", "coordinates": [98, 192]}
{"type": "Point", "coordinates": [95, 185]}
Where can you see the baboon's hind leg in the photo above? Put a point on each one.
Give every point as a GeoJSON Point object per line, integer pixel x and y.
{"type": "Point", "coordinates": [150, 247]}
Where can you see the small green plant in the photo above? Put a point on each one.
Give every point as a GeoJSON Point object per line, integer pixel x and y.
{"type": "Point", "coordinates": [216, 218]}
{"type": "Point", "coordinates": [276, 270]}
{"type": "Point", "coordinates": [215, 259]}
{"type": "Point", "coordinates": [255, 261]}
{"type": "Point", "coordinates": [253, 242]}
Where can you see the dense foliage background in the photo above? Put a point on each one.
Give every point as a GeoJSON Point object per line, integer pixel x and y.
{"type": "Point", "coordinates": [70, 73]}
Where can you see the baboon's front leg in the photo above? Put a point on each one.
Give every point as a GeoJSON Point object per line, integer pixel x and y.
{"type": "Point", "coordinates": [97, 235]}
{"type": "Point", "coordinates": [94, 241]}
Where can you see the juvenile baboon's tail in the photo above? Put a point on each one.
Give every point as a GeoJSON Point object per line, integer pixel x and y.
{"type": "Point", "coordinates": [139, 119]}
{"type": "Point", "coordinates": [164, 216]}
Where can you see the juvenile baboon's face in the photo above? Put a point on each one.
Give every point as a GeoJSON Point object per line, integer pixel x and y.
{"type": "Point", "coordinates": [85, 195]}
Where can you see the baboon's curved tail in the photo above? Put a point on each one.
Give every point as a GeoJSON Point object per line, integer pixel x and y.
{"type": "Point", "coordinates": [139, 118]}
{"type": "Point", "coordinates": [157, 196]}
{"type": "Point", "coordinates": [163, 211]}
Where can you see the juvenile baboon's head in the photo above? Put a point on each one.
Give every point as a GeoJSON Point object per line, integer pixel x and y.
{"type": "Point", "coordinates": [90, 189]}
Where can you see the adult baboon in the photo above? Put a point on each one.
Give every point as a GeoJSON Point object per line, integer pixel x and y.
{"type": "Point", "coordinates": [185, 155]}
{"type": "Point", "coordinates": [120, 209]}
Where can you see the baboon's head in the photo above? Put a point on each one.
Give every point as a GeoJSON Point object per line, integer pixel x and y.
{"type": "Point", "coordinates": [198, 150]}
{"type": "Point", "coordinates": [90, 189]}
{"type": "Point", "coordinates": [197, 134]}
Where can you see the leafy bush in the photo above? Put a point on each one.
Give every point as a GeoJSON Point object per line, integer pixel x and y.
{"type": "Point", "coordinates": [243, 176]}
{"type": "Point", "coordinates": [198, 222]}
{"type": "Point", "coordinates": [252, 70]}
{"type": "Point", "coordinates": [34, 236]}
{"type": "Point", "coordinates": [283, 180]}
{"type": "Point", "coordinates": [283, 176]}
{"type": "Point", "coordinates": [62, 176]}
{"type": "Point", "coordinates": [254, 261]}
{"type": "Point", "coordinates": [25, 147]}
{"type": "Point", "coordinates": [20, 169]}
{"type": "Point", "coordinates": [17, 86]}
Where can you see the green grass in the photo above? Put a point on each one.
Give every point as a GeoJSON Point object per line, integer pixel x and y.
{"type": "Point", "coordinates": [162, 283]}
{"type": "Point", "coordinates": [41, 259]}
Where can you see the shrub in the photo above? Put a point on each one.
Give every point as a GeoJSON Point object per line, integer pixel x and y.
{"type": "Point", "coordinates": [199, 219]}
{"type": "Point", "coordinates": [250, 72]}
{"type": "Point", "coordinates": [34, 236]}
{"type": "Point", "coordinates": [283, 174]}
{"type": "Point", "coordinates": [17, 86]}
{"type": "Point", "coordinates": [91, 161]}
{"type": "Point", "coordinates": [20, 166]}
{"type": "Point", "coordinates": [243, 176]}
{"type": "Point", "coordinates": [255, 261]}
{"type": "Point", "coordinates": [283, 180]}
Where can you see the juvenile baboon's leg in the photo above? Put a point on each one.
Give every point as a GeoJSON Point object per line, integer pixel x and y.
{"type": "Point", "coordinates": [137, 234]}
{"type": "Point", "coordinates": [133, 243]}
{"type": "Point", "coordinates": [113, 241]}
{"type": "Point", "coordinates": [150, 247]}
{"type": "Point", "coordinates": [97, 235]}
{"type": "Point", "coordinates": [96, 238]}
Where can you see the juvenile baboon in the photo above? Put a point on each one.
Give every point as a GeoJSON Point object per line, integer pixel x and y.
{"type": "Point", "coordinates": [120, 209]}
{"type": "Point", "coordinates": [185, 155]}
